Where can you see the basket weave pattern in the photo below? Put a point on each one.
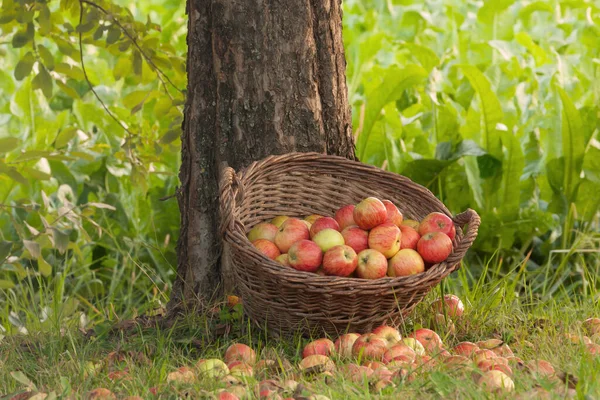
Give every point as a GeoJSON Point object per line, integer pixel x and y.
{"type": "Point", "coordinates": [298, 184]}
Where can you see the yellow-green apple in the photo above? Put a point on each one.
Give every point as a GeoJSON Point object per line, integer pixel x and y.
{"type": "Point", "coordinates": [323, 223]}
{"type": "Point", "coordinates": [212, 368]}
{"type": "Point", "coordinates": [399, 351]}
{"type": "Point", "coordinates": [489, 344]}
{"type": "Point", "coordinates": [592, 326]}
{"type": "Point", "coordinates": [292, 231]}
{"type": "Point", "coordinates": [434, 247]}
{"type": "Point", "coordinates": [496, 381]}
{"type": "Point", "coordinates": [343, 344]}
{"type": "Point", "coordinates": [283, 259]}
{"type": "Point", "coordinates": [340, 261]}
{"type": "Point", "coordinates": [394, 215]}
{"type": "Point", "coordinates": [305, 255]}
{"type": "Point", "coordinates": [482, 354]}
{"type": "Point", "coordinates": [279, 220]}
{"type": "Point", "coordinates": [264, 230]}
{"type": "Point", "coordinates": [429, 339]}
{"type": "Point", "coordinates": [324, 347]}
{"type": "Point", "coordinates": [240, 369]}
{"type": "Point", "coordinates": [385, 238]}
{"type": "Point", "coordinates": [312, 218]}
{"type": "Point", "coordinates": [371, 264]}
{"type": "Point", "coordinates": [182, 375]}
{"type": "Point", "coordinates": [345, 216]}
{"type": "Point", "coordinates": [240, 352]}
{"type": "Point", "coordinates": [369, 213]}
{"type": "Point", "coordinates": [437, 222]}
{"type": "Point", "coordinates": [466, 349]}
{"type": "Point", "coordinates": [356, 238]}
{"type": "Point", "coordinates": [267, 248]}
{"type": "Point", "coordinates": [412, 223]}
{"type": "Point", "coordinates": [369, 347]}
{"type": "Point", "coordinates": [451, 305]}
{"type": "Point", "coordinates": [404, 263]}
{"type": "Point", "coordinates": [409, 237]}
{"type": "Point", "coordinates": [389, 334]}
{"type": "Point", "coordinates": [317, 363]}
{"type": "Point", "coordinates": [415, 345]}
{"type": "Point", "coordinates": [328, 238]}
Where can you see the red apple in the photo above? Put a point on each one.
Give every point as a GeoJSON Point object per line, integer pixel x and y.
{"type": "Point", "coordinates": [593, 349]}
{"type": "Point", "coordinates": [496, 381]}
{"type": "Point", "coordinates": [437, 222]}
{"type": "Point", "coordinates": [369, 213]}
{"type": "Point", "coordinates": [279, 220]}
{"type": "Point", "coordinates": [358, 374]}
{"type": "Point", "coordinates": [323, 223]}
{"type": "Point", "coordinates": [371, 264]}
{"type": "Point", "coordinates": [465, 349]}
{"type": "Point", "coordinates": [541, 368]}
{"type": "Point", "coordinates": [429, 339]}
{"type": "Point", "coordinates": [312, 218]}
{"type": "Point", "coordinates": [394, 215]}
{"type": "Point", "coordinates": [283, 259]}
{"type": "Point", "coordinates": [369, 346]}
{"type": "Point", "coordinates": [389, 334]}
{"type": "Point", "coordinates": [328, 238]}
{"type": "Point", "coordinates": [385, 238]}
{"type": "Point", "coordinates": [345, 216]}
{"type": "Point", "coordinates": [343, 344]}
{"type": "Point", "coordinates": [452, 305]}
{"type": "Point", "coordinates": [356, 238]}
{"type": "Point", "coordinates": [409, 237]}
{"type": "Point", "coordinates": [503, 351]}
{"type": "Point", "coordinates": [434, 247]}
{"type": "Point", "coordinates": [305, 255]}
{"type": "Point", "coordinates": [457, 361]}
{"type": "Point", "coordinates": [323, 347]}
{"type": "Point", "coordinates": [317, 362]}
{"type": "Point", "coordinates": [227, 396]}
{"type": "Point", "coordinates": [240, 352]}
{"type": "Point", "coordinates": [293, 230]}
{"type": "Point", "coordinates": [240, 370]}
{"type": "Point", "coordinates": [592, 326]}
{"type": "Point", "coordinates": [493, 364]}
{"type": "Point", "coordinates": [481, 355]}
{"type": "Point", "coordinates": [412, 223]}
{"type": "Point", "coordinates": [267, 248]}
{"type": "Point", "coordinates": [340, 261]}
{"type": "Point", "coordinates": [264, 230]}
{"type": "Point", "coordinates": [399, 352]}
{"type": "Point", "coordinates": [405, 262]}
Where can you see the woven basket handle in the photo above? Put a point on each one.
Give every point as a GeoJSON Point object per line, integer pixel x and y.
{"type": "Point", "coordinates": [471, 218]}
{"type": "Point", "coordinates": [231, 190]}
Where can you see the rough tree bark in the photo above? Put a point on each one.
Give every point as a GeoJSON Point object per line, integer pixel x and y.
{"type": "Point", "coordinates": [264, 77]}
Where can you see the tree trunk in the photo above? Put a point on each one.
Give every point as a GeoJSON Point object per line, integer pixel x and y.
{"type": "Point", "coordinates": [264, 77]}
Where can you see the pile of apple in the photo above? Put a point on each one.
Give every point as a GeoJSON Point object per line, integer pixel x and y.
{"type": "Point", "coordinates": [368, 241]}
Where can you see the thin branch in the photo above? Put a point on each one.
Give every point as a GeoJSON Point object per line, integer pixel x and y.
{"type": "Point", "coordinates": [86, 76]}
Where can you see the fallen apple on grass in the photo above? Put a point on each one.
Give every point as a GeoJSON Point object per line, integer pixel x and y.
{"type": "Point", "coordinates": [450, 305]}
{"type": "Point", "coordinates": [466, 349]}
{"type": "Point", "coordinates": [240, 352]}
{"type": "Point", "coordinates": [592, 326]}
{"type": "Point", "coordinates": [317, 364]}
{"type": "Point", "coordinates": [369, 347]}
{"type": "Point", "coordinates": [182, 375]}
{"type": "Point", "coordinates": [430, 340]}
{"type": "Point", "coordinates": [399, 352]}
{"type": "Point", "coordinates": [340, 261]}
{"type": "Point", "coordinates": [343, 344]}
{"type": "Point", "coordinates": [324, 347]}
{"type": "Point", "coordinates": [305, 255]}
{"type": "Point", "coordinates": [415, 345]}
{"type": "Point", "coordinates": [496, 381]}
{"type": "Point", "coordinates": [371, 264]}
{"type": "Point", "coordinates": [212, 368]}
{"type": "Point", "coordinates": [390, 334]}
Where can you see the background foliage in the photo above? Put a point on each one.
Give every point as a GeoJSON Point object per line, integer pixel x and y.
{"type": "Point", "coordinates": [492, 105]}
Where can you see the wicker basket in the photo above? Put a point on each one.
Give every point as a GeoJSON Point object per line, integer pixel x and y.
{"type": "Point", "coordinates": [298, 184]}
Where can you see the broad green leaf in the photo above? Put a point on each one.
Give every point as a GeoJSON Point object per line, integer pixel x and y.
{"type": "Point", "coordinates": [47, 57]}
{"type": "Point", "coordinates": [536, 6]}
{"type": "Point", "coordinates": [446, 150]}
{"type": "Point", "coordinates": [588, 199]}
{"type": "Point", "coordinates": [60, 240]}
{"type": "Point", "coordinates": [512, 169]}
{"type": "Point", "coordinates": [5, 248]}
{"type": "Point", "coordinates": [170, 136]}
{"type": "Point", "coordinates": [70, 71]}
{"type": "Point", "coordinates": [43, 266]}
{"type": "Point", "coordinates": [33, 248]}
{"type": "Point", "coordinates": [21, 38]}
{"type": "Point", "coordinates": [426, 171]}
{"type": "Point", "coordinates": [32, 155]}
{"type": "Point", "coordinates": [4, 284]}
{"type": "Point", "coordinates": [24, 66]}
{"type": "Point", "coordinates": [16, 176]}
{"type": "Point", "coordinates": [536, 51]}
{"type": "Point", "coordinates": [555, 171]}
{"type": "Point", "coordinates": [489, 166]}
{"type": "Point", "coordinates": [9, 144]}
{"type": "Point", "coordinates": [44, 20]}
{"type": "Point", "coordinates": [591, 162]}
{"type": "Point", "coordinates": [424, 55]}
{"type": "Point", "coordinates": [36, 174]}
{"type": "Point", "coordinates": [137, 62]}
{"type": "Point", "coordinates": [64, 137]}
{"type": "Point", "coordinates": [43, 81]}
{"type": "Point", "coordinates": [114, 33]}
{"type": "Point", "coordinates": [474, 179]}
{"type": "Point", "coordinates": [394, 84]}
{"type": "Point", "coordinates": [23, 379]}
{"type": "Point", "coordinates": [491, 8]}
{"type": "Point", "coordinates": [135, 98]}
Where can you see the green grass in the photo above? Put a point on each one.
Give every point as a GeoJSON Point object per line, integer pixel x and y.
{"type": "Point", "coordinates": [61, 359]}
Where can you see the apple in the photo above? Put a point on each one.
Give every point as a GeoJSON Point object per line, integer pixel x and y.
{"type": "Point", "coordinates": [385, 238]}
{"type": "Point", "coordinates": [279, 220]}
{"type": "Point", "coordinates": [267, 248]}
{"type": "Point", "coordinates": [593, 349]}
{"type": "Point", "coordinates": [305, 255]}
{"type": "Point", "coordinates": [240, 352]}
{"type": "Point", "coordinates": [241, 370]}
{"type": "Point", "coordinates": [434, 247]}
{"type": "Point", "coordinates": [264, 230]}
{"type": "Point", "coordinates": [371, 264]}
{"type": "Point", "coordinates": [283, 259]}
{"type": "Point", "coordinates": [489, 344]}
{"type": "Point", "coordinates": [227, 396]}
{"type": "Point", "coordinates": [323, 223]}
{"type": "Point", "coordinates": [496, 381]}
{"type": "Point", "coordinates": [411, 223]}
{"type": "Point", "coordinates": [317, 363]}
{"type": "Point", "coordinates": [345, 216]}
{"type": "Point", "coordinates": [389, 334]}
{"type": "Point", "coordinates": [212, 368]}
{"type": "Point", "coordinates": [343, 344]}
{"type": "Point", "coordinates": [369, 346]}
{"type": "Point", "coordinates": [394, 215]}
{"type": "Point", "coordinates": [369, 213]}
{"type": "Point", "coordinates": [541, 368]}
{"type": "Point", "coordinates": [428, 338]}
{"type": "Point", "coordinates": [312, 218]}
{"type": "Point", "coordinates": [358, 374]}
{"type": "Point", "coordinates": [356, 238]}
{"type": "Point", "coordinates": [399, 352]}
{"type": "Point", "coordinates": [451, 305]}
{"type": "Point", "coordinates": [328, 238]}
{"type": "Point", "coordinates": [182, 375]}
{"type": "Point", "coordinates": [415, 345]}
{"type": "Point", "coordinates": [493, 364]}
{"type": "Point", "coordinates": [466, 349]}
{"type": "Point", "coordinates": [380, 371]}
{"type": "Point", "coordinates": [404, 263]}
{"type": "Point", "coordinates": [592, 326]}
{"type": "Point", "coordinates": [308, 224]}
{"type": "Point", "coordinates": [324, 347]}
{"type": "Point", "coordinates": [482, 354]}
{"type": "Point", "coordinates": [291, 231]}
{"type": "Point", "coordinates": [437, 222]}
{"type": "Point", "coordinates": [340, 261]}
{"type": "Point", "coordinates": [409, 237]}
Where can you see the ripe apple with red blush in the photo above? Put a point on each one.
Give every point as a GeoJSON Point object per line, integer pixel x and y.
{"type": "Point", "coordinates": [437, 222]}
{"type": "Point", "coordinates": [305, 255]}
{"type": "Point", "coordinates": [409, 237]}
{"type": "Point", "coordinates": [267, 248]}
{"type": "Point", "coordinates": [434, 247]}
{"type": "Point", "coordinates": [291, 231]}
{"type": "Point", "coordinates": [345, 216]}
{"type": "Point", "coordinates": [394, 215]}
{"type": "Point", "coordinates": [340, 260]}
{"type": "Point", "coordinates": [323, 223]}
{"type": "Point", "coordinates": [385, 238]}
{"type": "Point", "coordinates": [371, 264]}
{"type": "Point", "coordinates": [369, 213]}
{"type": "Point", "coordinates": [356, 238]}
